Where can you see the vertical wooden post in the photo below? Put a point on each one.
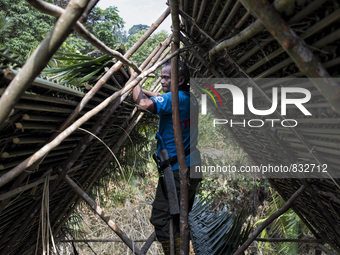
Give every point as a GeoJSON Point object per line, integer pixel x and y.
{"type": "Point", "coordinates": [183, 169]}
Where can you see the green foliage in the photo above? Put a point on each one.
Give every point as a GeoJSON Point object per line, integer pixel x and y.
{"type": "Point", "coordinates": [218, 147]}
{"type": "Point", "coordinates": [28, 26]}
{"type": "Point", "coordinates": [5, 26]}
{"type": "Point", "coordinates": [148, 46]}
{"type": "Point", "coordinates": [104, 23]}
{"type": "Point", "coordinates": [76, 69]}
{"type": "Point", "coordinates": [287, 225]}
{"type": "Point", "coordinates": [136, 28]}
{"type": "Point", "coordinates": [25, 27]}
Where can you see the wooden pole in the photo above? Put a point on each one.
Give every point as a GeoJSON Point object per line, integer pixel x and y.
{"type": "Point", "coordinates": [183, 168]}
{"type": "Point", "coordinates": [40, 57]}
{"type": "Point", "coordinates": [248, 32]}
{"type": "Point", "coordinates": [296, 48]}
{"type": "Point", "coordinates": [88, 9]}
{"type": "Point", "coordinates": [103, 215]}
{"type": "Point", "coordinates": [148, 243]}
{"type": "Point", "coordinates": [269, 220]}
{"type": "Point", "coordinates": [114, 68]}
{"type": "Point", "coordinates": [57, 11]}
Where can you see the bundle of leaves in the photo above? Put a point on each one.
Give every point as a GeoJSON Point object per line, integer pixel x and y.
{"type": "Point", "coordinates": [216, 230]}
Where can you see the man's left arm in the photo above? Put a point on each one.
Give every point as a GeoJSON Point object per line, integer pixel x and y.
{"type": "Point", "coordinates": [150, 94]}
{"type": "Point", "coordinates": [142, 99]}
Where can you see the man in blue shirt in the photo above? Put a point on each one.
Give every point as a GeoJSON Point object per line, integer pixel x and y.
{"type": "Point", "coordinates": [188, 107]}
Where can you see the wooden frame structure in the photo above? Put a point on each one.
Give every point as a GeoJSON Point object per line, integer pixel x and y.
{"type": "Point", "coordinates": [224, 38]}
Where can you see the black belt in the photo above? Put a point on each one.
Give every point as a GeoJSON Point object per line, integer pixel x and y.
{"type": "Point", "coordinates": [173, 160]}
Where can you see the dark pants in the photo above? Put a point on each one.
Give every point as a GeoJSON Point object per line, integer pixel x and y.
{"type": "Point", "coordinates": [160, 216]}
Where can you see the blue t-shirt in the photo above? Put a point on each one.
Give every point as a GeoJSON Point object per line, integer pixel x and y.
{"type": "Point", "coordinates": [188, 111]}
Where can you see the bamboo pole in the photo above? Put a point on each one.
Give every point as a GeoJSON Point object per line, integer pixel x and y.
{"type": "Point", "coordinates": [269, 220]}
{"type": "Point", "coordinates": [68, 131]}
{"type": "Point", "coordinates": [57, 11]}
{"type": "Point", "coordinates": [113, 69]}
{"type": "Point", "coordinates": [306, 61]}
{"type": "Point", "coordinates": [231, 15]}
{"type": "Point", "coordinates": [250, 31]}
{"type": "Point", "coordinates": [40, 57]}
{"type": "Point", "coordinates": [15, 163]}
{"type": "Point", "coordinates": [200, 14]}
{"type": "Point", "coordinates": [103, 215]}
{"type": "Point", "coordinates": [306, 34]}
{"type": "Point", "coordinates": [220, 18]}
{"type": "Point", "coordinates": [299, 16]}
{"type": "Point", "coordinates": [18, 190]}
{"type": "Point", "coordinates": [241, 22]}
{"type": "Point", "coordinates": [17, 153]}
{"type": "Point", "coordinates": [49, 99]}
{"type": "Point", "coordinates": [212, 14]}
{"type": "Point", "coordinates": [34, 125]}
{"type": "Point", "coordinates": [35, 117]}
{"type": "Point", "coordinates": [148, 243]}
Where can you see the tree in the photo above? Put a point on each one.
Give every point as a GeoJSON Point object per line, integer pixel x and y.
{"type": "Point", "coordinates": [137, 28]}
{"type": "Point", "coordinates": [104, 24]}
{"type": "Point", "coordinates": [147, 47]}
{"type": "Point", "coordinates": [28, 27]}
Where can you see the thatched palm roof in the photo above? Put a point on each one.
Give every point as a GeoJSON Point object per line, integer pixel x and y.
{"type": "Point", "coordinates": [209, 23]}
{"type": "Point", "coordinates": [46, 106]}
{"type": "Point", "coordinates": [36, 118]}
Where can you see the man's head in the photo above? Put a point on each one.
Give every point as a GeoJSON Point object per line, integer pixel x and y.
{"type": "Point", "coordinates": [183, 75]}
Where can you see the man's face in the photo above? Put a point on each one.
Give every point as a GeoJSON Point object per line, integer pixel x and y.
{"type": "Point", "coordinates": [166, 78]}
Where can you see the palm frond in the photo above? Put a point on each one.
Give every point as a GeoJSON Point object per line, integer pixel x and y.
{"type": "Point", "coordinates": [216, 231]}
{"type": "Point", "coordinates": [287, 225]}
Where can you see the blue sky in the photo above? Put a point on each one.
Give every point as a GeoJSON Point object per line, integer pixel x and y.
{"type": "Point", "coordinates": [136, 12]}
